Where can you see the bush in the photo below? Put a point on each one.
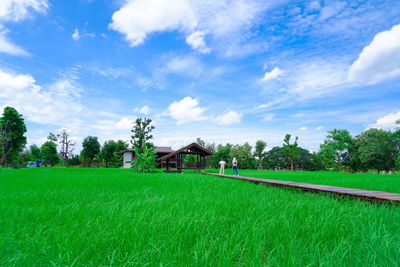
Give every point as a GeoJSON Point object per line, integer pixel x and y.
{"type": "Point", "coordinates": [145, 160]}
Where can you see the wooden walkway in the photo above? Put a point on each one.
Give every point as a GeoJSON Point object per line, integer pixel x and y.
{"type": "Point", "coordinates": [358, 193]}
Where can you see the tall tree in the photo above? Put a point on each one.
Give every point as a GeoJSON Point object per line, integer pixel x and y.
{"type": "Point", "coordinates": [91, 148]}
{"type": "Point", "coordinates": [336, 148]}
{"type": "Point", "coordinates": [243, 155]}
{"type": "Point", "coordinates": [259, 152]}
{"type": "Point", "coordinates": [12, 130]}
{"type": "Point", "coordinates": [290, 149]}
{"type": "Point", "coordinates": [108, 151]}
{"type": "Point", "coordinates": [49, 150]}
{"type": "Point", "coordinates": [111, 153]}
{"type": "Point", "coordinates": [35, 152]}
{"type": "Point", "coordinates": [142, 133]}
{"type": "Point", "coordinates": [376, 149]}
{"type": "Point", "coordinates": [67, 146]}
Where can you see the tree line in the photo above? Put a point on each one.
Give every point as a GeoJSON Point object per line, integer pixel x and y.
{"type": "Point", "coordinates": [373, 149]}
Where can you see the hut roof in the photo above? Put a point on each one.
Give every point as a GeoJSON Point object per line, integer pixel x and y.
{"type": "Point", "coordinates": [159, 149]}
{"type": "Point", "coordinates": [192, 148]}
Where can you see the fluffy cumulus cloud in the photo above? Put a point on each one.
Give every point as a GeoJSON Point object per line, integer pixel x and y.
{"type": "Point", "coordinates": [17, 10]}
{"type": "Point", "coordinates": [186, 110]}
{"type": "Point", "coordinates": [386, 122]}
{"type": "Point", "coordinates": [53, 104]}
{"type": "Point", "coordinates": [124, 124]}
{"type": "Point", "coordinates": [303, 128]}
{"type": "Point", "coordinates": [230, 118]}
{"type": "Point", "coordinates": [145, 110]}
{"type": "Point", "coordinates": [137, 19]}
{"type": "Point", "coordinates": [196, 41]}
{"type": "Point", "coordinates": [273, 74]}
{"type": "Point", "coordinates": [379, 60]}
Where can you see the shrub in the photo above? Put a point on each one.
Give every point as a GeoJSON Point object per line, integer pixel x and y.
{"type": "Point", "coordinates": [145, 160]}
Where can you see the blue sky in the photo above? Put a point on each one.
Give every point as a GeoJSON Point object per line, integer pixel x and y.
{"type": "Point", "coordinates": [225, 71]}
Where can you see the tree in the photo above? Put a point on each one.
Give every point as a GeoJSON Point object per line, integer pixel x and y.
{"type": "Point", "coordinates": [259, 152]}
{"type": "Point", "coordinates": [35, 152]}
{"type": "Point", "coordinates": [376, 149]}
{"type": "Point", "coordinates": [67, 146]}
{"type": "Point", "coordinates": [145, 160]}
{"type": "Point", "coordinates": [276, 158]}
{"type": "Point", "coordinates": [107, 151]}
{"type": "Point", "coordinates": [49, 150]}
{"type": "Point", "coordinates": [111, 153]}
{"type": "Point", "coordinates": [336, 148]}
{"type": "Point", "coordinates": [142, 133]}
{"type": "Point", "coordinates": [91, 148]}
{"type": "Point", "coordinates": [290, 149]}
{"type": "Point", "coordinates": [243, 155]}
{"type": "Point", "coordinates": [12, 130]}
{"type": "Point", "coordinates": [222, 152]}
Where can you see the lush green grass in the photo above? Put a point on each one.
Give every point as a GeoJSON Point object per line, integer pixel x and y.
{"type": "Point", "coordinates": [370, 181]}
{"type": "Point", "coordinates": [94, 217]}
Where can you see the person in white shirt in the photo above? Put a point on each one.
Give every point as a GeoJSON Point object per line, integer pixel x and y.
{"type": "Point", "coordinates": [222, 164]}
{"type": "Point", "coordinates": [235, 167]}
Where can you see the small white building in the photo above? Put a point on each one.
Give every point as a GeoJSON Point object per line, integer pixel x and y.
{"type": "Point", "coordinates": [129, 154]}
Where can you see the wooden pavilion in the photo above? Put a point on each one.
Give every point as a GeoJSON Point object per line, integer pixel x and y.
{"type": "Point", "coordinates": [178, 156]}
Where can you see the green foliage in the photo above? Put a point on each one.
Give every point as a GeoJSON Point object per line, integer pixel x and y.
{"type": "Point", "coordinates": [259, 152]}
{"type": "Point", "coordinates": [12, 139]}
{"type": "Point", "coordinates": [91, 148]}
{"type": "Point", "coordinates": [145, 159]}
{"type": "Point", "coordinates": [243, 155]}
{"type": "Point", "coordinates": [74, 160]}
{"type": "Point", "coordinates": [290, 149]}
{"type": "Point", "coordinates": [376, 149]}
{"type": "Point", "coordinates": [336, 148]}
{"type": "Point", "coordinates": [111, 153]}
{"type": "Point", "coordinates": [222, 152]}
{"type": "Point", "coordinates": [142, 133]}
{"type": "Point", "coordinates": [49, 151]}
{"type": "Point", "coordinates": [34, 152]}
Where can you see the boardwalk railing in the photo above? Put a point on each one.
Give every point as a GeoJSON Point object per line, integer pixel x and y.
{"type": "Point", "coordinates": [358, 193]}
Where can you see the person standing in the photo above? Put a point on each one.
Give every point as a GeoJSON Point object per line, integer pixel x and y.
{"type": "Point", "coordinates": [222, 164]}
{"type": "Point", "coordinates": [235, 167]}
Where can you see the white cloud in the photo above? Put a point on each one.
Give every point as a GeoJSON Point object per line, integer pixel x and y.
{"type": "Point", "coordinates": [185, 111]}
{"type": "Point", "coordinates": [319, 128]}
{"type": "Point", "coordinates": [186, 65]}
{"type": "Point", "coordinates": [230, 118]}
{"type": "Point", "coordinates": [303, 128]}
{"type": "Point", "coordinates": [273, 74]}
{"type": "Point", "coordinates": [145, 110]}
{"type": "Point", "coordinates": [137, 19]}
{"type": "Point", "coordinates": [268, 117]}
{"type": "Point", "coordinates": [379, 60]}
{"type": "Point", "coordinates": [54, 104]}
{"type": "Point", "coordinates": [305, 81]}
{"type": "Point", "coordinates": [9, 48]}
{"type": "Point", "coordinates": [123, 124]}
{"type": "Point", "coordinates": [386, 122]}
{"type": "Point", "coordinates": [196, 41]}
{"type": "Point", "coordinates": [76, 35]}
{"type": "Point", "coordinates": [16, 10]}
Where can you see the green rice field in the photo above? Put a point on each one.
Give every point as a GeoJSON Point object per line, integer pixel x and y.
{"type": "Point", "coordinates": [114, 217]}
{"type": "Point", "coordinates": [369, 181]}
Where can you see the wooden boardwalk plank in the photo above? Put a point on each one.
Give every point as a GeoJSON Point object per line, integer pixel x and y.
{"type": "Point", "coordinates": [352, 192]}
